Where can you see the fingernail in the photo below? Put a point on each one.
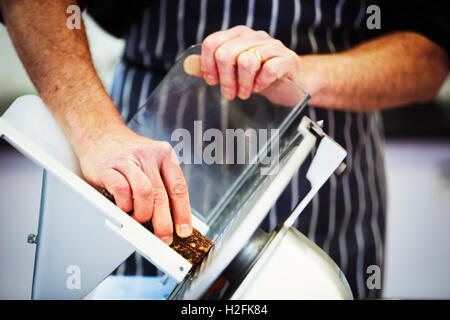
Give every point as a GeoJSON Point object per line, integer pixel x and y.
{"type": "Point", "coordinates": [167, 240]}
{"type": "Point", "coordinates": [211, 80]}
{"type": "Point", "coordinates": [184, 230]}
{"type": "Point", "coordinates": [226, 92]}
{"type": "Point", "coordinates": [242, 93]}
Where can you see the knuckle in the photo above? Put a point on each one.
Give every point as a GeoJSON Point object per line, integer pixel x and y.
{"type": "Point", "coordinates": [141, 150]}
{"type": "Point", "coordinates": [141, 218]}
{"type": "Point", "coordinates": [163, 229]}
{"type": "Point", "coordinates": [277, 42]}
{"type": "Point", "coordinates": [145, 191]}
{"type": "Point", "coordinates": [160, 197]}
{"type": "Point", "coordinates": [165, 147]}
{"type": "Point", "coordinates": [121, 189]}
{"type": "Point", "coordinates": [241, 28]}
{"type": "Point", "coordinates": [245, 61]}
{"type": "Point", "coordinates": [263, 34]}
{"type": "Point", "coordinates": [292, 55]}
{"type": "Point", "coordinates": [221, 55]}
{"type": "Point", "coordinates": [179, 189]}
{"type": "Point", "coordinates": [270, 71]}
{"type": "Point", "coordinates": [295, 60]}
{"type": "Point", "coordinates": [209, 43]}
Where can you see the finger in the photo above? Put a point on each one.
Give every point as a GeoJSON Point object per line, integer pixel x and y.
{"type": "Point", "coordinates": [142, 190]}
{"type": "Point", "coordinates": [248, 66]}
{"type": "Point", "coordinates": [271, 71]}
{"type": "Point", "coordinates": [209, 47]}
{"type": "Point", "coordinates": [226, 59]}
{"type": "Point", "coordinates": [178, 195]}
{"type": "Point", "coordinates": [273, 48]}
{"type": "Point", "coordinates": [151, 163]}
{"type": "Point", "coordinates": [285, 62]}
{"type": "Point", "coordinates": [162, 219]}
{"type": "Point", "coordinates": [118, 186]}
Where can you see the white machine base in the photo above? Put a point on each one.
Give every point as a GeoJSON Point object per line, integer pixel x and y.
{"type": "Point", "coordinates": [296, 269]}
{"type": "Point", "coordinates": [81, 230]}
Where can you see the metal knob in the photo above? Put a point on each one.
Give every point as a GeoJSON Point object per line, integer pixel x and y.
{"type": "Point", "coordinates": [339, 170]}
{"type": "Point", "coordinates": [32, 238]}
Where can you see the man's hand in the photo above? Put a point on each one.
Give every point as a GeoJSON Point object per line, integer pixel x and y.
{"type": "Point", "coordinates": [243, 60]}
{"type": "Point", "coordinates": [143, 175]}
{"type": "Point", "coordinates": [391, 70]}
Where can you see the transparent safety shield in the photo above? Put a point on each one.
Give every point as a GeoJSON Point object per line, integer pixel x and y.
{"type": "Point", "coordinates": [225, 148]}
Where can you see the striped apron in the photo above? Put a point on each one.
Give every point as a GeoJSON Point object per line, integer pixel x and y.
{"type": "Point", "coordinates": [347, 217]}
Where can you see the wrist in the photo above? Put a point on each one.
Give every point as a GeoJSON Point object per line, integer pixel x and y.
{"type": "Point", "coordinates": [96, 133]}
{"type": "Point", "coordinates": [88, 119]}
{"type": "Point", "coordinates": [314, 78]}
{"type": "Point", "coordinates": [309, 79]}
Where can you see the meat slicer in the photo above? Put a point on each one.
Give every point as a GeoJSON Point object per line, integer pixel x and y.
{"type": "Point", "coordinates": [230, 194]}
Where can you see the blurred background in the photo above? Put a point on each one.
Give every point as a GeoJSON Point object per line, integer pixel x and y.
{"type": "Point", "coordinates": [417, 157]}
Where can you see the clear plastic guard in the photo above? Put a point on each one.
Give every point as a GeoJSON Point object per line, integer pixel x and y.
{"type": "Point", "coordinates": [221, 168]}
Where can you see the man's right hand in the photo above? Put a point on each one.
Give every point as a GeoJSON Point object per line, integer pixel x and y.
{"type": "Point", "coordinates": [143, 175]}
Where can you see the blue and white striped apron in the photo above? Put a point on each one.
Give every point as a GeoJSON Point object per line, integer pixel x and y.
{"type": "Point", "coordinates": [347, 217]}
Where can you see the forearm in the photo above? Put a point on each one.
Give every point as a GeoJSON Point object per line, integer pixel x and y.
{"type": "Point", "coordinates": [389, 71]}
{"type": "Point", "coordinates": [58, 61]}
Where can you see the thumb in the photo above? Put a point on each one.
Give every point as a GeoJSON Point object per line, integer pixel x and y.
{"type": "Point", "coordinates": [192, 65]}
